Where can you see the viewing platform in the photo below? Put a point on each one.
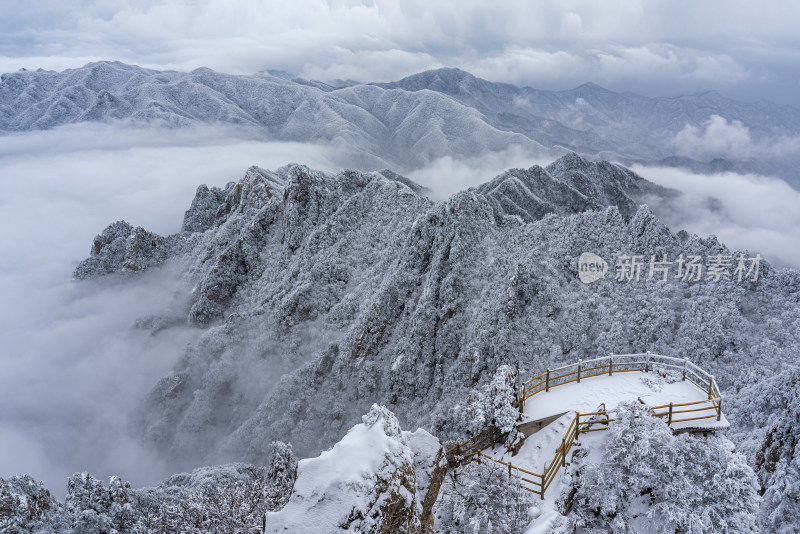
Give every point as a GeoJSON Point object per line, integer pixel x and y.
{"type": "Point", "coordinates": [562, 403]}
{"type": "Point", "coordinates": [680, 392]}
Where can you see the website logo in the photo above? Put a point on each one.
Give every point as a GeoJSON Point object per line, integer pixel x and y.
{"type": "Point", "coordinates": [591, 267]}
{"type": "Point", "coordinates": [689, 268]}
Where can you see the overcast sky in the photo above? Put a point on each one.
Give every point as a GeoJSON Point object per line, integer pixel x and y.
{"type": "Point", "coordinates": [744, 49]}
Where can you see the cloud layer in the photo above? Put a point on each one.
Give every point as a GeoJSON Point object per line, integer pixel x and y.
{"type": "Point", "coordinates": [745, 49]}
{"type": "Point", "coordinates": [720, 138]}
{"type": "Point", "coordinates": [74, 368]}
{"type": "Point", "coordinates": [757, 213]}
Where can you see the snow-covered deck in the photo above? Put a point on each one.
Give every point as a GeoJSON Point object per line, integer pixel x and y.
{"type": "Point", "coordinates": [652, 389]}
{"type": "Point", "coordinates": [556, 410]}
{"type": "Point", "coordinates": [560, 405]}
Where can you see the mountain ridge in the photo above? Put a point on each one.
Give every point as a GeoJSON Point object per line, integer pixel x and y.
{"type": "Point", "coordinates": [403, 124]}
{"type": "Point", "coordinates": [400, 292]}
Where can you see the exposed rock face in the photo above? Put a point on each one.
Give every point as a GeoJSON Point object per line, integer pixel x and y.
{"type": "Point", "coordinates": [430, 468]}
{"type": "Point", "coordinates": [377, 479]}
{"type": "Point", "coordinates": [204, 210]}
{"type": "Point", "coordinates": [123, 249]}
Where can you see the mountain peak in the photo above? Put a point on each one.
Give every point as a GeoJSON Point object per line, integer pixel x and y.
{"type": "Point", "coordinates": [591, 87]}
{"type": "Point", "coordinates": [445, 80]}
{"type": "Point", "coordinates": [442, 72]}
{"type": "Point", "coordinates": [571, 159]}
{"type": "Point", "coordinates": [571, 184]}
{"type": "Point", "coordinates": [570, 162]}
{"type": "Point", "coordinates": [115, 65]}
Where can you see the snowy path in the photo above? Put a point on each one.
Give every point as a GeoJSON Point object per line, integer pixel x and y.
{"type": "Point", "coordinates": [538, 448]}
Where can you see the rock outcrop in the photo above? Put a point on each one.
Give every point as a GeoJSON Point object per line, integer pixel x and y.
{"type": "Point", "coordinates": [377, 479]}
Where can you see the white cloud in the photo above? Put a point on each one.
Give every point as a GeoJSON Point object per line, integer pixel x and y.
{"type": "Point", "coordinates": [661, 62]}
{"type": "Point", "coordinates": [519, 65]}
{"type": "Point", "coordinates": [73, 368]}
{"type": "Point", "coordinates": [721, 138]}
{"type": "Point", "coordinates": [757, 213]}
{"type": "Point", "coordinates": [571, 25]}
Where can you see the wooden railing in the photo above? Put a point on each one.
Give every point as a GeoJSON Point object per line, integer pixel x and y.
{"type": "Point", "coordinates": [625, 363]}
{"type": "Point", "coordinates": [463, 452]}
{"type": "Point", "coordinates": [529, 480]}
{"type": "Point", "coordinates": [538, 483]}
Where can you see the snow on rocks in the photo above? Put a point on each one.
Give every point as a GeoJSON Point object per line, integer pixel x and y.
{"type": "Point", "coordinates": [378, 478]}
{"type": "Point", "coordinates": [121, 248]}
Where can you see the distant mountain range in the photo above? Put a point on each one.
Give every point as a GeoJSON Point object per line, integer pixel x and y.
{"type": "Point", "coordinates": [407, 123]}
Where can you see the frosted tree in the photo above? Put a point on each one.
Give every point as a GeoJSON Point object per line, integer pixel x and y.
{"type": "Point", "coordinates": [223, 499]}
{"type": "Point", "coordinates": [481, 498]}
{"type": "Point", "coordinates": [777, 456]}
{"type": "Point", "coordinates": [650, 480]}
{"type": "Point", "coordinates": [25, 504]}
{"type": "Point", "coordinates": [492, 404]}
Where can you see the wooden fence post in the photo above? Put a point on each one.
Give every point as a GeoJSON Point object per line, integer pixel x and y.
{"type": "Point", "coordinates": [685, 361]}
{"type": "Point", "coordinates": [719, 408]}
{"type": "Point", "coordinates": [564, 451]}
{"type": "Point", "coordinates": [577, 423]}
{"type": "Point", "coordinates": [611, 365]}
{"type": "Point", "coordinates": [547, 381]}
{"type": "Point", "coordinates": [520, 390]}
{"type": "Point", "coordinates": [710, 387]}
{"type": "Point", "coordinates": [669, 418]}
{"type": "Point", "coordinates": [647, 363]}
{"type": "Point", "coordinates": [579, 370]}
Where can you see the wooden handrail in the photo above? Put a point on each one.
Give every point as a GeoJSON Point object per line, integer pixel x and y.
{"type": "Point", "coordinates": [693, 418]}
{"type": "Point", "coordinates": [704, 401]}
{"type": "Point", "coordinates": [562, 376]}
{"type": "Point", "coordinates": [620, 363]}
{"type": "Point", "coordinates": [534, 378]}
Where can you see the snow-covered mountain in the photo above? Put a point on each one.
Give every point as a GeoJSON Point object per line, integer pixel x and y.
{"type": "Point", "coordinates": [321, 294]}
{"type": "Point", "coordinates": [405, 124]}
